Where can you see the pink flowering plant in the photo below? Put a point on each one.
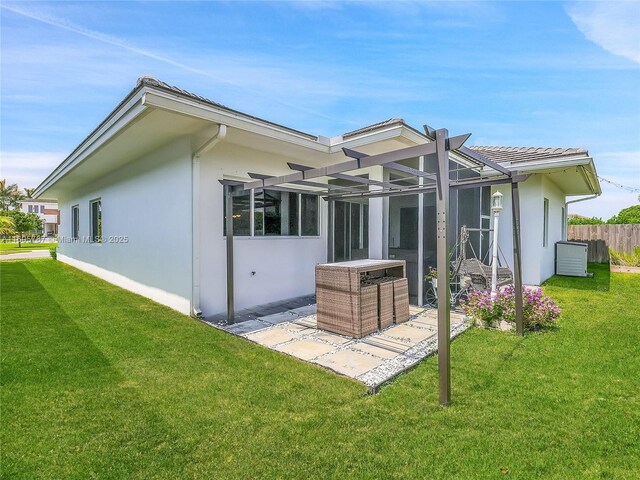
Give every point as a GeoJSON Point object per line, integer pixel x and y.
{"type": "Point", "coordinates": [539, 311]}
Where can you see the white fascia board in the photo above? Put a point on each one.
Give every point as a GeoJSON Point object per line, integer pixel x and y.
{"type": "Point", "coordinates": [585, 164]}
{"type": "Point", "coordinates": [367, 138]}
{"type": "Point", "coordinates": [560, 162]}
{"type": "Point", "coordinates": [210, 113]}
{"type": "Point", "coordinates": [389, 133]}
{"type": "Point", "coordinates": [591, 177]}
{"type": "Point", "coordinates": [126, 115]}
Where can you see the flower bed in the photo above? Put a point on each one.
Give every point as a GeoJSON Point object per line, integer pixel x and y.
{"type": "Point", "coordinates": [539, 311]}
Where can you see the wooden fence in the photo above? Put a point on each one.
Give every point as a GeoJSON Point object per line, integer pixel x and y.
{"type": "Point", "coordinates": [621, 238]}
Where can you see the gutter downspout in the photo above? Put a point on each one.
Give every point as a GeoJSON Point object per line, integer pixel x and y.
{"type": "Point", "coordinates": [195, 217]}
{"type": "Point", "coordinates": [566, 210]}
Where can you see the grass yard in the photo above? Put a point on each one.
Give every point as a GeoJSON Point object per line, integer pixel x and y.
{"type": "Point", "coordinates": [99, 382]}
{"type": "Point", "coordinates": [6, 248]}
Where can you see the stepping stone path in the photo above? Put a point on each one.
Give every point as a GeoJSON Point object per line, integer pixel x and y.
{"type": "Point", "coordinates": [373, 360]}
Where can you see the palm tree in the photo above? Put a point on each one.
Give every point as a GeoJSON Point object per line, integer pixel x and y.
{"type": "Point", "coordinates": [7, 227]}
{"type": "Point", "coordinates": [28, 192]}
{"type": "Point", "coordinates": [10, 196]}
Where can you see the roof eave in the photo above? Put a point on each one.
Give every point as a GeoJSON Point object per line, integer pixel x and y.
{"type": "Point", "coordinates": [127, 111]}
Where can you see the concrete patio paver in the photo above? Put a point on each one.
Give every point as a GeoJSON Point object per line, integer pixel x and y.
{"type": "Point", "coordinates": [246, 327]}
{"type": "Point", "coordinates": [387, 343]}
{"type": "Point", "coordinates": [375, 350]}
{"type": "Point", "coordinates": [305, 311]}
{"type": "Point", "coordinates": [332, 338]}
{"type": "Point", "coordinates": [372, 360]}
{"type": "Point", "coordinates": [311, 321]}
{"type": "Point", "coordinates": [409, 334]}
{"type": "Point", "coordinates": [276, 318]}
{"type": "Point", "coordinates": [272, 337]}
{"type": "Point", "coordinates": [296, 327]}
{"type": "Point", "coordinates": [349, 362]}
{"type": "Point", "coordinates": [428, 321]}
{"type": "Point", "coordinates": [306, 349]}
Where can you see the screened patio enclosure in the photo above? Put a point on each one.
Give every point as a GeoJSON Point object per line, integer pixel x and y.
{"type": "Point", "coordinates": [424, 191]}
{"type": "Point", "coordinates": [412, 223]}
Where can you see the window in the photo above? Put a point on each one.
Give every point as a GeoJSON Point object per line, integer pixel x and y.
{"type": "Point", "coordinates": [75, 222]}
{"type": "Point", "coordinates": [41, 208]}
{"type": "Point", "coordinates": [275, 213]}
{"type": "Point", "coordinates": [30, 208]}
{"type": "Point", "coordinates": [241, 214]}
{"type": "Point", "coordinates": [545, 226]}
{"type": "Point", "coordinates": [96, 221]}
{"type": "Point", "coordinates": [309, 214]}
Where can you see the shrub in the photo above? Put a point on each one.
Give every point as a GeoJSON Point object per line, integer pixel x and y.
{"type": "Point", "coordinates": [539, 311]}
{"type": "Point", "coordinates": [579, 220]}
{"type": "Point", "coordinates": [625, 259]}
{"type": "Point", "coordinates": [626, 215]}
{"type": "Point", "coordinates": [53, 252]}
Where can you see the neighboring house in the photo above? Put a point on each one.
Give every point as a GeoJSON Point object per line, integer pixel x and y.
{"type": "Point", "coordinates": [142, 205]}
{"type": "Point", "coordinates": [47, 210]}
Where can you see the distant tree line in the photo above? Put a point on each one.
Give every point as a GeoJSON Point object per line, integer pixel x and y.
{"type": "Point", "coordinates": [626, 215]}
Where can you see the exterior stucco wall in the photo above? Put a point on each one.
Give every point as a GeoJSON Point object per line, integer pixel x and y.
{"type": "Point", "coordinates": [538, 261]}
{"type": "Point", "coordinates": [556, 202]}
{"type": "Point", "coordinates": [149, 202]}
{"type": "Point", "coordinates": [284, 266]}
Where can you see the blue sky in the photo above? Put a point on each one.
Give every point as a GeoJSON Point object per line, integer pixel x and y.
{"type": "Point", "coordinates": [515, 73]}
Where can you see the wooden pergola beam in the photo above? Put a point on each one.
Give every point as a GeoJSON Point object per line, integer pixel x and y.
{"type": "Point", "coordinates": [452, 143]}
{"type": "Point", "coordinates": [342, 176]}
{"type": "Point", "coordinates": [440, 147]}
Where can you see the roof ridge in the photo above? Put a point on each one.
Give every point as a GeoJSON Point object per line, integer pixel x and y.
{"type": "Point", "coordinates": [522, 149]}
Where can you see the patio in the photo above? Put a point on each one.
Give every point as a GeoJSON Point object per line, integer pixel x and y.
{"type": "Point", "coordinates": [373, 360]}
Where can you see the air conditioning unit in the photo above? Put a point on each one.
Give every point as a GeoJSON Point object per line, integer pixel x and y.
{"type": "Point", "coordinates": [571, 259]}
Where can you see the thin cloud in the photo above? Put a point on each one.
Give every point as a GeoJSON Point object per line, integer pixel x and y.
{"type": "Point", "coordinates": [117, 42]}
{"type": "Point", "coordinates": [611, 25]}
{"type": "Point", "coordinates": [28, 169]}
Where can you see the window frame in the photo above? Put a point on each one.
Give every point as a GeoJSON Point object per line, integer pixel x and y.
{"type": "Point", "coordinates": [545, 222]}
{"type": "Point", "coordinates": [99, 236]}
{"type": "Point", "coordinates": [75, 222]}
{"type": "Point", "coordinates": [298, 210]}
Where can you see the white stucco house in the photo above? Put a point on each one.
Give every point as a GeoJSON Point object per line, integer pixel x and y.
{"type": "Point", "coordinates": [142, 207]}
{"type": "Point", "coordinates": [47, 210]}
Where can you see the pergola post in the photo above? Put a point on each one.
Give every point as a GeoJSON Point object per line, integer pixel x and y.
{"type": "Point", "coordinates": [229, 228]}
{"type": "Point", "coordinates": [331, 208]}
{"type": "Point", "coordinates": [421, 235]}
{"type": "Point", "coordinates": [517, 263]}
{"type": "Point", "coordinates": [442, 231]}
{"type": "Point", "coordinates": [382, 188]}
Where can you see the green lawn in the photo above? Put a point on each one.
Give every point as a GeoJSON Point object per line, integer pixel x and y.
{"type": "Point", "coordinates": [6, 248]}
{"type": "Point", "coordinates": [99, 382]}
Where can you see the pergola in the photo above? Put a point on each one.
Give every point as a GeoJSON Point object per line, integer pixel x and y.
{"type": "Point", "coordinates": [489, 173]}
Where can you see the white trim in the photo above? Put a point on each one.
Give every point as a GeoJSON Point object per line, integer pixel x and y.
{"type": "Point", "coordinates": [128, 113]}
{"type": "Point", "coordinates": [206, 112]}
{"type": "Point", "coordinates": [163, 297]}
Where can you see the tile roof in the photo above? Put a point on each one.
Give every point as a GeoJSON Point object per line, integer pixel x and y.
{"type": "Point", "coordinates": [153, 82]}
{"type": "Point", "coordinates": [375, 126]}
{"type": "Point", "coordinates": [524, 154]}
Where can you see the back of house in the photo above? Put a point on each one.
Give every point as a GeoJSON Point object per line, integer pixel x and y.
{"type": "Point", "coordinates": [142, 202]}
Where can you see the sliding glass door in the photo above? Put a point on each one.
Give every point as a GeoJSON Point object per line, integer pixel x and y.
{"type": "Point", "coordinates": [351, 231]}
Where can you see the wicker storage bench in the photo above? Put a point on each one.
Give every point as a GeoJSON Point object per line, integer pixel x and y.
{"type": "Point", "coordinates": [401, 300]}
{"type": "Point", "coordinates": [358, 297]}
